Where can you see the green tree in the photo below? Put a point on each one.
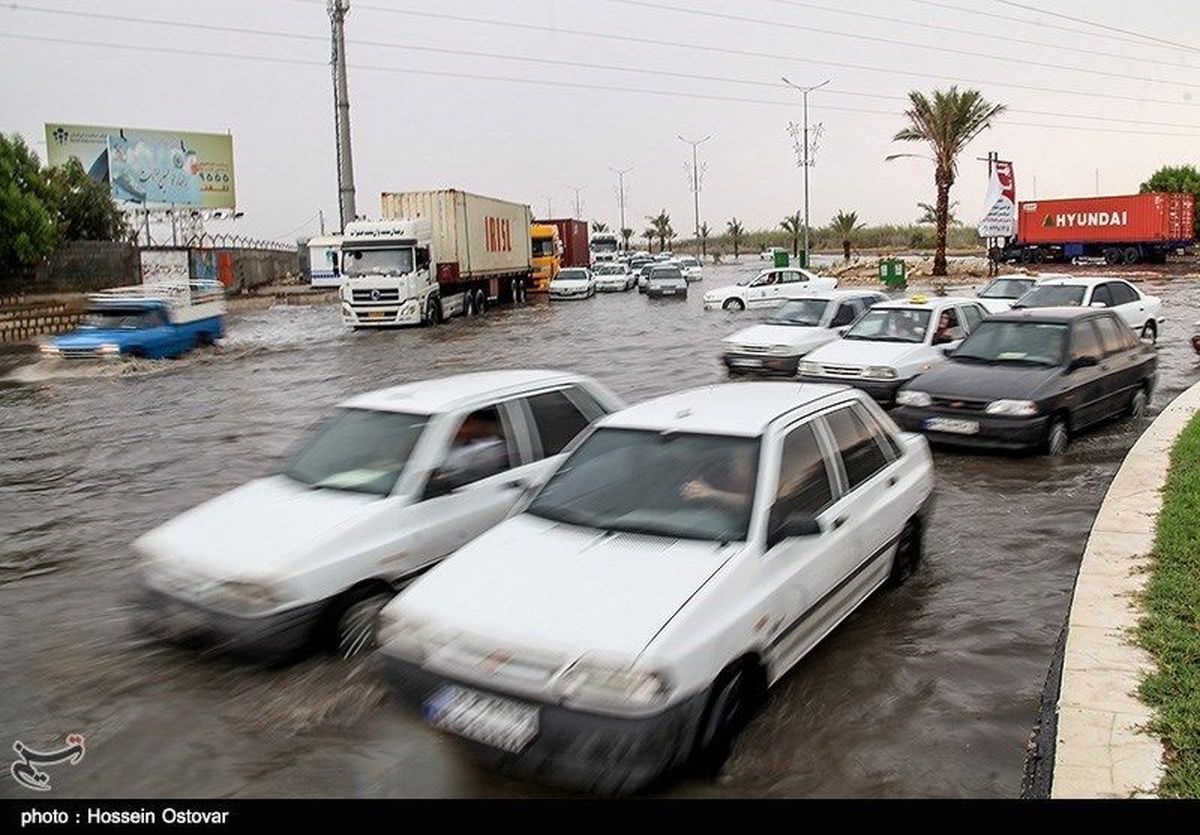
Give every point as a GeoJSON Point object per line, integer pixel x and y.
{"type": "Point", "coordinates": [845, 224]}
{"type": "Point", "coordinates": [947, 121]}
{"type": "Point", "coordinates": [794, 226]}
{"type": "Point", "coordinates": [27, 230]}
{"type": "Point", "coordinates": [83, 208]}
{"type": "Point", "coordinates": [661, 224]}
{"type": "Point", "coordinates": [736, 230]}
{"type": "Point", "coordinates": [704, 233]}
{"type": "Point", "coordinates": [626, 234]}
{"type": "Point", "coordinates": [929, 214]}
{"type": "Point", "coordinates": [1176, 178]}
{"type": "Point", "coordinates": [649, 234]}
{"type": "Point", "coordinates": [599, 226]}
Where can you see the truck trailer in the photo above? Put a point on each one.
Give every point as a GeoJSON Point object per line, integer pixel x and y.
{"type": "Point", "coordinates": [435, 254]}
{"type": "Point", "coordinates": [1123, 229]}
{"type": "Point", "coordinates": [573, 235]}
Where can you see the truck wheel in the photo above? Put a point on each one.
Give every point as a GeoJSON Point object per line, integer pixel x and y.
{"type": "Point", "coordinates": [469, 305]}
{"type": "Point", "coordinates": [1112, 257]}
{"type": "Point", "coordinates": [734, 304]}
{"type": "Point", "coordinates": [1132, 255]}
{"type": "Point", "coordinates": [433, 311]}
{"type": "Point", "coordinates": [1150, 332]}
{"type": "Point", "coordinates": [480, 302]}
{"type": "Point", "coordinates": [1027, 256]}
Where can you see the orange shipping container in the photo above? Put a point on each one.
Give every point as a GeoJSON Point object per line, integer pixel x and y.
{"type": "Point", "coordinates": [1127, 219]}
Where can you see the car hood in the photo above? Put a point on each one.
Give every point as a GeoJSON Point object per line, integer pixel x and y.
{"type": "Point", "coordinates": [254, 531]}
{"type": "Point", "coordinates": [977, 381]}
{"type": "Point", "coordinates": [569, 284]}
{"type": "Point", "coordinates": [996, 305]}
{"type": "Point", "coordinates": [730, 291]}
{"type": "Point", "coordinates": [864, 352]}
{"type": "Point", "coordinates": [566, 589]}
{"type": "Point", "coordinates": [803, 338]}
{"type": "Point", "coordinates": [95, 337]}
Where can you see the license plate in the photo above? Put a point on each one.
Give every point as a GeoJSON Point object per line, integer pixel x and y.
{"type": "Point", "coordinates": [500, 723]}
{"type": "Point", "coordinates": [953, 425]}
{"type": "Point", "coordinates": [376, 314]}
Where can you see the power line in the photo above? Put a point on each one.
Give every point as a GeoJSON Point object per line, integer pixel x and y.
{"type": "Point", "coordinates": [1104, 26]}
{"type": "Point", "coordinates": [547, 61]}
{"type": "Point", "coordinates": [974, 32]}
{"type": "Point", "coordinates": [535, 81]}
{"type": "Point", "coordinates": [645, 4]}
{"type": "Point", "coordinates": [709, 49]}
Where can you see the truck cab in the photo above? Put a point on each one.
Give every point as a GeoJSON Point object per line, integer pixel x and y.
{"type": "Point", "coordinates": [546, 259]}
{"type": "Point", "coordinates": [605, 246]}
{"type": "Point", "coordinates": [386, 275]}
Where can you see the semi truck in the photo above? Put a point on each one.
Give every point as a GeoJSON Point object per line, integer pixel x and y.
{"type": "Point", "coordinates": [573, 235]}
{"type": "Point", "coordinates": [434, 255]}
{"type": "Point", "coordinates": [547, 255]}
{"type": "Point", "coordinates": [1122, 229]}
{"type": "Point", "coordinates": [604, 246]}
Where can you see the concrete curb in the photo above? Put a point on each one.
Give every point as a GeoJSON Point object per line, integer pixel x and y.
{"type": "Point", "coordinates": [1101, 750]}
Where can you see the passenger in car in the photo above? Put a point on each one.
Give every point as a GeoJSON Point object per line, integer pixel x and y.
{"type": "Point", "coordinates": [728, 484]}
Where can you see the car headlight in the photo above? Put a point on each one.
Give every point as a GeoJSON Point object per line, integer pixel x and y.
{"type": "Point", "coordinates": [404, 636]}
{"type": "Point", "coordinates": [1012, 408]}
{"type": "Point", "coordinates": [783, 350]}
{"type": "Point", "coordinates": [49, 350]}
{"type": "Point", "coordinates": [613, 688]}
{"type": "Point", "coordinates": [908, 397]}
{"type": "Point", "coordinates": [813, 368]}
{"type": "Point", "coordinates": [246, 598]}
{"type": "Point", "coordinates": [109, 349]}
{"type": "Point", "coordinates": [879, 372]}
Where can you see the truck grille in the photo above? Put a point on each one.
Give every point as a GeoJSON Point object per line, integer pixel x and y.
{"type": "Point", "coordinates": [378, 296]}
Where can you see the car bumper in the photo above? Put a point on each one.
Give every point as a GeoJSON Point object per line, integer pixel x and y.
{"type": "Point", "coordinates": [270, 636]}
{"type": "Point", "coordinates": [660, 292]}
{"type": "Point", "coordinates": [740, 363]}
{"type": "Point", "coordinates": [572, 748]}
{"type": "Point", "coordinates": [995, 432]}
{"type": "Point", "coordinates": [884, 391]}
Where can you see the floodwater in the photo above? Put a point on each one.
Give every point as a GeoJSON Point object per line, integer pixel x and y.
{"type": "Point", "coordinates": [929, 690]}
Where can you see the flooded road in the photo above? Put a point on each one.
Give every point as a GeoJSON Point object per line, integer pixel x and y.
{"type": "Point", "coordinates": [929, 690]}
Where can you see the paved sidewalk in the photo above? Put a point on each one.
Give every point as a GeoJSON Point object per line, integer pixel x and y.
{"type": "Point", "coordinates": [1100, 749]}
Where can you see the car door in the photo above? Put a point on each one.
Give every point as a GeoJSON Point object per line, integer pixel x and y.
{"type": "Point", "coordinates": [556, 418]}
{"type": "Point", "coordinates": [1101, 296]}
{"type": "Point", "coordinates": [972, 315]}
{"type": "Point", "coordinates": [947, 329]}
{"type": "Point", "coordinates": [763, 290]}
{"type": "Point", "coordinates": [1121, 365]}
{"type": "Point", "coordinates": [1087, 381]}
{"type": "Point", "coordinates": [1128, 303]}
{"type": "Point", "coordinates": [795, 285]}
{"type": "Point", "coordinates": [847, 311]}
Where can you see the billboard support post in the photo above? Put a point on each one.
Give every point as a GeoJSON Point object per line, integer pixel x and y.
{"type": "Point", "coordinates": [341, 112]}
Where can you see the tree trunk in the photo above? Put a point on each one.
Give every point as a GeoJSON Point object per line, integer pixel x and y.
{"type": "Point", "coordinates": [943, 220]}
{"type": "Point", "coordinates": [846, 250]}
{"type": "Point", "coordinates": [735, 247]}
{"type": "Point", "coordinates": [795, 244]}
{"type": "Point", "coordinates": [704, 247]}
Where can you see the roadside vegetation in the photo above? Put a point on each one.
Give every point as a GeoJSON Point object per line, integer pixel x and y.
{"type": "Point", "coordinates": [1170, 627]}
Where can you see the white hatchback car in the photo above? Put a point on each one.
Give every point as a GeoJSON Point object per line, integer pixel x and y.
{"type": "Point", "coordinates": [693, 270]}
{"type": "Point", "coordinates": [573, 283]}
{"type": "Point", "coordinates": [893, 343]}
{"type": "Point", "coordinates": [1002, 293]}
{"type": "Point", "coordinates": [688, 552]}
{"type": "Point", "coordinates": [390, 484]}
{"type": "Point", "coordinates": [613, 278]}
{"type": "Point", "coordinates": [795, 329]}
{"type": "Point", "coordinates": [1139, 310]}
{"type": "Point", "coordinates": [770, 288]}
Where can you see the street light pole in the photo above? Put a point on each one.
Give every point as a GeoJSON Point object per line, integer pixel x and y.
{"type": "Point", "coordinates": [341, 109]}
{"type": "Point", "coordinates": [578, 202]}
{"type": "Point", "coordinates": [621, 172]}
{"type": "Point", "coordinates": [804, 91]}
{"type": "Point", "coordinates": [695, 143]}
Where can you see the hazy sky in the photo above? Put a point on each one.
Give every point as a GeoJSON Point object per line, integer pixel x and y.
{"type": "Point", "coordinates": [529, 142]}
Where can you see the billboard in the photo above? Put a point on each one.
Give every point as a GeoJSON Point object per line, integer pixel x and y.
{"type": "Point", "coordinates": [1000, 212]}
{"type": "Point", "coordinates": [153, 168]}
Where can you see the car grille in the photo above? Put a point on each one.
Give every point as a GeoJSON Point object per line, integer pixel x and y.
{"type": "Point", "coordinates": [379, 296]}
{"type": "Point", "coordinates": [959, 404]}
{"type": "Point", "coordinates": [750, 349]}
{"type": "Point", "coordinates": [842, 371]}
{"type": "Point", "coordinates": [78, 353]}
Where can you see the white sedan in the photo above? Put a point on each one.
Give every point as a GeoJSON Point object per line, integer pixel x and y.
{"type": "Point", "coordinates": [770, 288]}
{"type": "Point", "coordinates": [613, 278]}
{"type": "Point", "coordinates": [1139, 310]}
{"type": "Point", "coordinates": [689, 552]}
{"type": "Point", "coordinates": [573, 283]}
{"type": "Point", "coordinates": [693, 270]}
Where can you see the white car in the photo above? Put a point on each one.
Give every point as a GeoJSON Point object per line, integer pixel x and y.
{"type": "Point", "coordinates": [795, 329]}
{"type": "Point", "coordinates": [613, 278]}
{"type": "Point", "coordinates": [770, 288]}
{"type": "Point", "coordinates": [666, 280]}
{"type": "Point", "coordinates": [389, 485]}
{"type": "Point", "coordinates": [573, 283]}
{"type": "Point", "coordinates": [1002, 293]}
{"type": "Point", "coordinates": [686, 555]}
{"type": "Point", "coordinates": [1140, 311]}
{"type": "Point", "coordinates": [893, 343]}
{"type": "Point", "coordinates": [693, 270]}
{"type": "Point", "coordinates": [769, 253]}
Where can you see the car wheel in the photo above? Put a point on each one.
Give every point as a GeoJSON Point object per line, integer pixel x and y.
{"type": "Point", "coordinates": [1138, 404]}
{"type": "Point", "coordinates": [734, 304]}
{"type": "Point", "coordinates": [727, 713]}
{"type": "Point", "coordinates": [1150, 333]}
{"type": "Point", "coordinates": [1057, 438]}
{"type": "Point", "coordinates": [354, 626]}
{"type": "Point", "coordinates": [909, 548]}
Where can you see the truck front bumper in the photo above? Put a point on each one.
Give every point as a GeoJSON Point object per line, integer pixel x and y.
{"type": "Point", "coordinates": [572, 748]}
{"type": "Point", "coordinates": [382, 316]}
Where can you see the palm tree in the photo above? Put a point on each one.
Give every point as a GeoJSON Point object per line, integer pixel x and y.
{"type": "Point", "coordinates": [649, 235]}
{"type": "Point", "coordinates": [736, 230]}
{"type": "Point", "coordinates": [704, 233]}
{"type": "Point", "coordinates": [947, 121]}
{"type": "Point", "coordinates": [599, 226]}
{"type": "Point", "coordinates": [794, 226]}
{"type": "Point", "coordinates": [626, 234]}
{"type": "Point", "coordinates": [661, 223]}
{"type": "Point", "coordinates": [845, 224]}
{"type": "Point", "coordinates": [929, 214]}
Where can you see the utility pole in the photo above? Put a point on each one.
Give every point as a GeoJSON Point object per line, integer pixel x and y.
{"type": "Point", "coordinates": [321, 218]}
{"type": "Point", "coordinates": [578, 202]}
{"type": "Point", "coordinates": [804, 91]}
{"type": "Point", "coordinates": [695, 143]}
{"type": "Point", "coordinates": [621, 172]}
{"type": "Point", "coordinates": [549, 206]}
{"type": "Point", "coordinates": [341, 111]}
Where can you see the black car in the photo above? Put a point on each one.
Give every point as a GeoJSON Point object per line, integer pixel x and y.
{"type": "Point", "coordinates": [1032, 379]}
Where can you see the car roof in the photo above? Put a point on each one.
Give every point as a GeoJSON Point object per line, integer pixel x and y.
{"type": "Point", "coordinates": [924, 303]}
{"type": "Point", "coordinates": [1047, 314]}
{"type": "Point", "coordinates": [1079, 280]}
{"type": "Point", "coordinates": [446, 394]}
{"type": "Point", "coordinates": [741, 409]}
{"type": "Point", "coordinates": [837, 295]}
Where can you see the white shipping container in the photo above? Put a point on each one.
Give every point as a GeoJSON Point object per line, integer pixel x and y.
{"type": "Point", "coordinates": [480, 236]}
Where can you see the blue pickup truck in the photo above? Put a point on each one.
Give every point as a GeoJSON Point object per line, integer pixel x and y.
{"type": "Point", "coordinates": [151, 321]}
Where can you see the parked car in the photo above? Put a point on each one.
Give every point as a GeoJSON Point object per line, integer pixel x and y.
{"type": "Point", "coordinates": [573, 283]}
{"type": "Point", "coordinates": [693, 270]}
{"type": "Point", "coordinates": [1032, 379]}
{"type": "Point", "coordinates": [768, 254]}
{"type": "Point", "coordinates": [1001, 293]}
{"type": "Point", "coordinates": [892, 343]}
{"type": "Point", "coordinates": [1139, 310]}
{"type": "Point", "coordinates": [666, 280]}
{"type": "Point", "coordinates": [643, 276]}
{"type": "Point", "coordinates": [665, 255]}
{"type": "Point", "coordinates": [687, 554]}
{"type": "Point", "coordinates": [795, 329]}
{"type": "Point", "coordinates": [613, 278]}
{"type": "Point", "coordinates": [770, 288]}
{"type": "Point", "coordinates": [390, 484]}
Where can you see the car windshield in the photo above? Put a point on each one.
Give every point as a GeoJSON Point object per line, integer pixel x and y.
{"type": "Point", "coordinates": [1021, 343]}
{"type": "Point", "coordinates": [665, 273]}
{"type": "Point", "coordinates": [891, 324]}
{"type": "Point", "coordinates": [611, 269]}
{"type": "Point", "coordinates": [1053, 295]}
{"type": "Point", "coordinates": [688, 262]}
{"type": "Point", "coordinates": [804, 313]}
{"type": "Point", "coordinates": [384, 261]}
{"type": "Point", "coordinates": [572, 275]}
{"type": "Point", "coordinates": [1006, 288]}
{"type": "Point", "coordinates": [686, 486]}
{"type": "Point", "coordinates": [361, 450]}
{"type": "Point", "coordinates": [120, 319]}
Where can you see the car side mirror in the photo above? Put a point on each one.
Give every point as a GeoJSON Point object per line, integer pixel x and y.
{"type": "Point", "coordinates": [1083, 362]}
{"type": "Point", "coordinates": [784, 525]}
{"type": "Point", "coordinates": [1098, 304]}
